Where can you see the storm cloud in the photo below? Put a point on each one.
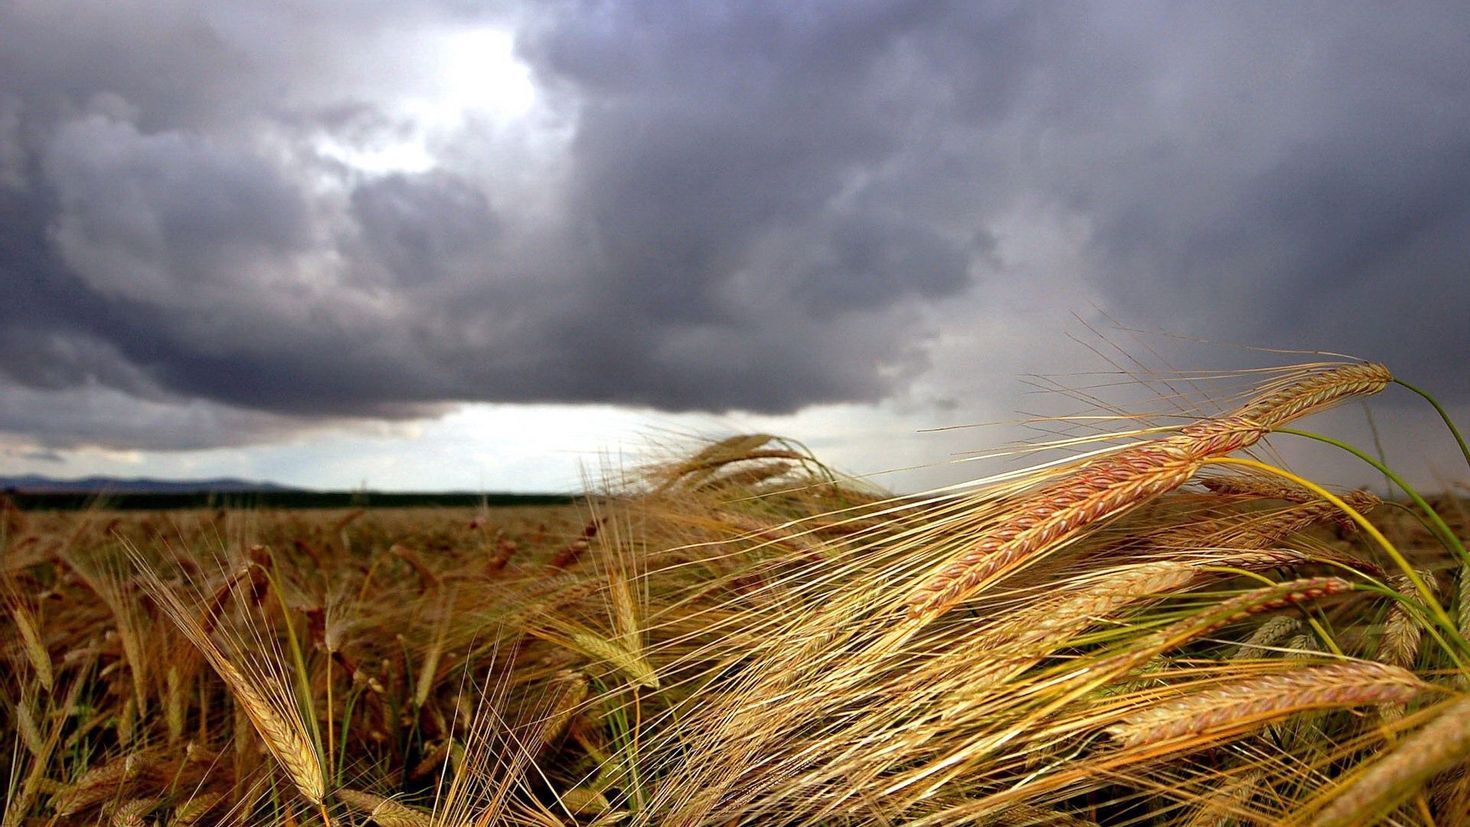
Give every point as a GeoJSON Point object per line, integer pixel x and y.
{"type": "Point", "coordinates": [249, 220]}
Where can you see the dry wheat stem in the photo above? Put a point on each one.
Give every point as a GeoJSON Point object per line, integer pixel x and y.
{"type": "Point", "coordinates": [285, 741]}
{"type": "Point", "coordinates": [1462, 599]}
{"type": "Point", "coordinates": [1030, 815]}
{"type": "Point", "coordinates": [1052, 622]}
{"type": "Point", "coordinates": [1257, 488]}
{"type": "Point", "coordinates": [1258, 531]}
{"type": "Point", "coordinates": [174, 703]}
{"type": "Point", "coordinates": [29, 734]}
{"type": "Point", "coordinates": [18, 802]}
{"type": "Point", "coordinates": [1399, 644]}
{"type": "Point", "coordinates": [569, 691]}
{"type": "Point", "coordinates": [1242, 606]}
{"type": "Point", "coordinates": [1252, 702]}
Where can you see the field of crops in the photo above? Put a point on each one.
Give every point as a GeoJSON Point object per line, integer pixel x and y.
{"type": "Point", "coordinates": [1157, 630]}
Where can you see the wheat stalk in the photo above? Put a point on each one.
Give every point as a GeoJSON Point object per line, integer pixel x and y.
{"type": "Point", "coordinates": [605, 652]}
{"type": "Point", "coordinates": [1052, 622]}
{"type": "Point", "coordinates": [1462, 622]}
{"type": "Point", "coordinates": [29, 734]}
{"type": "Point", "coordinates": [1030, 815]}
{"type": "Point", "coordinates": [1259, 531]}
{"type": "Point", "coordinates": [429, 670]}
{"type": "Point", "coordinates": [283, 737]}
{"type": "Point", "coordinates": [568, 690]}
{"type": "Point", "coordinates": [1243, 705]}
{"type": "Point", "coordinates": [174, 712]}
{"type": "Point", "coordinates": [1257, 488]}
{"type": "Point", "coordinates": [1248, 604]}
{"type": "Point", "coordinates": [1399, 644]}
{"type": "Point", "coordinates": [584, 801]}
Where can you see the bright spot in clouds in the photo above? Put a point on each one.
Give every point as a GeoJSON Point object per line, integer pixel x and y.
{"type": "Point", "coordinates": [481, 74]}
{"type": "Point", "coordinates": [471, 73]}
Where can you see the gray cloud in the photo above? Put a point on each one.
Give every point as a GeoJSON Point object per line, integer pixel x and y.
{"type": "Point", "coordinates": [752, 207]}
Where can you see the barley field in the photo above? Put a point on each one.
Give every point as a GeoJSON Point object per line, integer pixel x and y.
{"type": "Point", "coordinates": [1162, 626]}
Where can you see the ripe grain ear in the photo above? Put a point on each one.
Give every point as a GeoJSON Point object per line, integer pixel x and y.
{"type": "Point", "coordinates": [1387, 781]}
{"type": "Point", "coordinates": [385, 811]}
{"type": "Point", "coordinates": [35, 649]}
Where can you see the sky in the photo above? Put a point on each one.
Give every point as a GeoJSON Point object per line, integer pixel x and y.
{"type": "Point", "coordinates": [420, 245]}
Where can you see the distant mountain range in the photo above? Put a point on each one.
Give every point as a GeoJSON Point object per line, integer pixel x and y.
{"type": "Point", "coordinates": [36, 484]}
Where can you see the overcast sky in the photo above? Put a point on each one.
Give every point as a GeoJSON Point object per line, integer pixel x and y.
{"type": "Point", "coordinates": [458, 244]}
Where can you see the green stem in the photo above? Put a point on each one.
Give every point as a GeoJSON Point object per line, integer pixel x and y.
{"type": "Point", "coordinates": [1443, 414]}
{"type": "Point", "coordinates": [1437, 523]}
{"type": "Point", "coordinates": [1425, 593]}
{"type": "Point", "coordinates": [346, 721]}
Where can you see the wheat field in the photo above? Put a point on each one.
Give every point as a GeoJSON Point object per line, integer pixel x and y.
{"type": "Point", "coordinates": [1163, 625]}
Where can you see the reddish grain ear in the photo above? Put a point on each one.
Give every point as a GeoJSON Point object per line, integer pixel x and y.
{"type": "Point", "coordinates": [1202, 717]}
{"type": "Point", "coordinates": [1062, 510]}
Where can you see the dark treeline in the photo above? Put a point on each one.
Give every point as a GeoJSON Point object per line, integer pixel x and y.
{"type": "Point", "coordinates": [158, 501]}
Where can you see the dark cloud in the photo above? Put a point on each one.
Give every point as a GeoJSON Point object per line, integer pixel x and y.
{"type": "Point", "coordinates": [710, 207]}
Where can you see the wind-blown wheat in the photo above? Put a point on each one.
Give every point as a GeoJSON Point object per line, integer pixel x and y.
{"type": "Point", "coordinates": [130, 813]}
{"type": "Point", "coordinates": [1109, 486]}
{"type": "Point", "coordinates": [1053, 621]}
{"type": "Point", "coordinates": [1059, 511]}
{"type": "Point", "coordinates": [1220, 808]}
{"type": "Point", "coordinates": [284, 739]}
{"type": "Point", "coordinates": [275, 719]}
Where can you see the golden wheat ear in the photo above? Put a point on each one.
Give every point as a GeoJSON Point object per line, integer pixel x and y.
{"type": "Point", "coordinates": [253, 672]}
